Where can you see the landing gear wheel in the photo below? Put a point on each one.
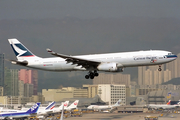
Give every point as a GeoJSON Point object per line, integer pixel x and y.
{"type": "Point", "coordinates": [87, 76]}
{"type": "Point", "coordinates": [96, 74]}
{"type": "Point", "coordinates": [92, 76]}
{"type": "Point", "coordinates": [159, 69]}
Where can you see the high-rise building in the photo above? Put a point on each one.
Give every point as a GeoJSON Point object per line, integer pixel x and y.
{"type": "Point", "coordinates": [21, 88]}
{"type": "Point", "coordinates": [112, 93]}
{"type": "Point", "coordinates": [148, 80]}
{"type": "Point", "coordinates": [157, 77]}
{"type": "Point", "coordinates": [11, 82]}
{"type": "Point", "coordinates": [141, 76]}
{"type": "Point", "coordinates": [1, 69]}
{"type": "Point", "coordinates": [112, 79]}
{"type": "Point", "coordinates": [151, 76]}
{"type": "Point", "coordinates": [28, 90]}
{"type": "Point", "coordinates": [31, 77]}
{"type": "Point", "coordinates": [92, 90]}
{"type": "Point", "coordinates": [174, 67]}
{"type": "Point", "coordinates": [167, 75]}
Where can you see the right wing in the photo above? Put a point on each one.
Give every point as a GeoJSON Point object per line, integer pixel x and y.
{"type": "Point", "coordinates": [76, 60]}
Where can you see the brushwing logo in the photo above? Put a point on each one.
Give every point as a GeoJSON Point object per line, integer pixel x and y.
{"type": "Point", "coordinates": [18, 50]}
{"type": "Point", "coordinates": [34, 107]}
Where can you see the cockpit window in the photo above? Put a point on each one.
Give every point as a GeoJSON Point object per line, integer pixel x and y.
{"type": "Point", "coordinates": [169, 53]}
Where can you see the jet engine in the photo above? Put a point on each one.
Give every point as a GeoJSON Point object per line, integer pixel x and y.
{"type": "Point", "coordinates": [110, 67]}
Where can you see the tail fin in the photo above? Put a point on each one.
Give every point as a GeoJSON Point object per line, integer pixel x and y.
{"type": "Point", "coordinates": [50, 106]}
{"type": "Point", "coordinates": [74, 104]}
{"type": "Point", "coordinates": [33, 109]}
{"type": "Point", "coordinates": [118, 103]}
{"type": "Point", "coordinates": [65, 104]}
{"type": "Point", "coordinates": [21, 52]}
{"type": "Point", "coordinates": [169, 102]}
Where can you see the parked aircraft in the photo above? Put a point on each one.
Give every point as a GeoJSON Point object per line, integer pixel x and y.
{"type": "Point", "coordinates": [109, 62]}
{"type": "Point", "coordinates": [47, 110]}
{"type": "Point", "coordinates": [43, 110]}
{"type": "Point", "coordinates": [41, 113]}
{"type": "Point", "coordinates": [73, 105]}
{"type": "Point", "coordinates": [102, 107]}
{"type": "Point", "coordinates": [164, 106]}
{"type": "Point", "coordinates": [58, 109]}
{"type": "Point", "coordinates": [20, 114]}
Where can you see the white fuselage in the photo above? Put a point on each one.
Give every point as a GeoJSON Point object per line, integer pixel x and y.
{"type": "Point", "coordinates": [98, 107]}
{"type": "Point", "coordinates": [164, 106]}
{"type": "Point", "coordinates": [123, 59]}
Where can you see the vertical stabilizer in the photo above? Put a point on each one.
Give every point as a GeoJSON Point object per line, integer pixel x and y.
{"type": "Point", "coordinates": [65, 104]}
{"type": "Point", "coordinates": [169, 102]}
{"type": "Point", "coordinates": [118, 103]}
{"type": "Point", "coordinates": [74, 104]}
{"type": "Point", "coordinates": [50, 106]}
{"type": "Point", "coordinates": [21, 52]}
{"type": "Point", "coordinates": [33, 109]}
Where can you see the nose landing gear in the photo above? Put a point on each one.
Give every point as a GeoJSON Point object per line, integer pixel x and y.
{"type": "Point", "coordinates": [91, 75]}
{"type": "Point", "coordinates": [159, 69]}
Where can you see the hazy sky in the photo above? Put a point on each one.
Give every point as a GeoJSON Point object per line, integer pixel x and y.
{"type": "Point", "coordinates": [38, 9]}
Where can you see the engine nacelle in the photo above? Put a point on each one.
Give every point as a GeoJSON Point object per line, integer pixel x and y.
{"type": "Point", "coordinates": [109, 67]}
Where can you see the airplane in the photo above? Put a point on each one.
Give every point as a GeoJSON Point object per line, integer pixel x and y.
{"type": "Point", "coordinates": [164, 106]}
{"type": "Point", "coordinates": [43, 110]}
{"type": "Point", "coordinates": [102, 107]}
{"type": "Point", "coordinates": [20, 114]}
{"type": "Point", "coordinates": [73, 105]}
{"type": "Point", "coordinates": [47, 110]}
{"type": "Point", "coordinates": [109, 62]}
{"type": "Point", "coordinates": [41, 113]}
{"type": "Point", "coordinates": [58, 109]}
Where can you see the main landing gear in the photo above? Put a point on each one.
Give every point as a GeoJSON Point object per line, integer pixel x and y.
{"type": "Point", "coordinates": [159, 69]}
{"type": "Point", "coordinates": [91, 75]}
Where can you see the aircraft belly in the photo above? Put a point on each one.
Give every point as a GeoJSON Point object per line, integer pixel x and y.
{"type": "Point", "coordinates": [63, 66]}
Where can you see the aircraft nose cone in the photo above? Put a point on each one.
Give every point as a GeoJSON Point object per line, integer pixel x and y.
{"type": "Point", "coordinates": [172, 56]}
{"type": "Point", "coordinates": [175, 56]}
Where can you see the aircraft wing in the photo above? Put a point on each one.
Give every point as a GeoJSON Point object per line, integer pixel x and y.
{"type": "Point", "coordinates": [75, 60]}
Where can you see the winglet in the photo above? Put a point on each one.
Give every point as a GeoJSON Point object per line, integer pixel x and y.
{"type": "Point", "coordinates": [49, 50]}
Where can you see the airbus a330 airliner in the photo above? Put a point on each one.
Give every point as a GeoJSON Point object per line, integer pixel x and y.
{"type": "Point", "coordinates": [109, 62]}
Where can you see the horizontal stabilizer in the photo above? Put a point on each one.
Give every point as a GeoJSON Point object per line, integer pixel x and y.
{"type": "Point", "coordinates": [23, 63]}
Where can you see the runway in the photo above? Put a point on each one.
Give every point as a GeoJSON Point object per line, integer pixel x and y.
{"type": "Point", "coordinates": [123, 116]}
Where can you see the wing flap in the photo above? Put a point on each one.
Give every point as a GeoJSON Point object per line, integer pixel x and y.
{"type": "Point", "coordinates": [76, 60]}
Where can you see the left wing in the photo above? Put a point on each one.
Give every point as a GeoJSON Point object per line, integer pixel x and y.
{"type": "Point", "coordinates": [76, 60]}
